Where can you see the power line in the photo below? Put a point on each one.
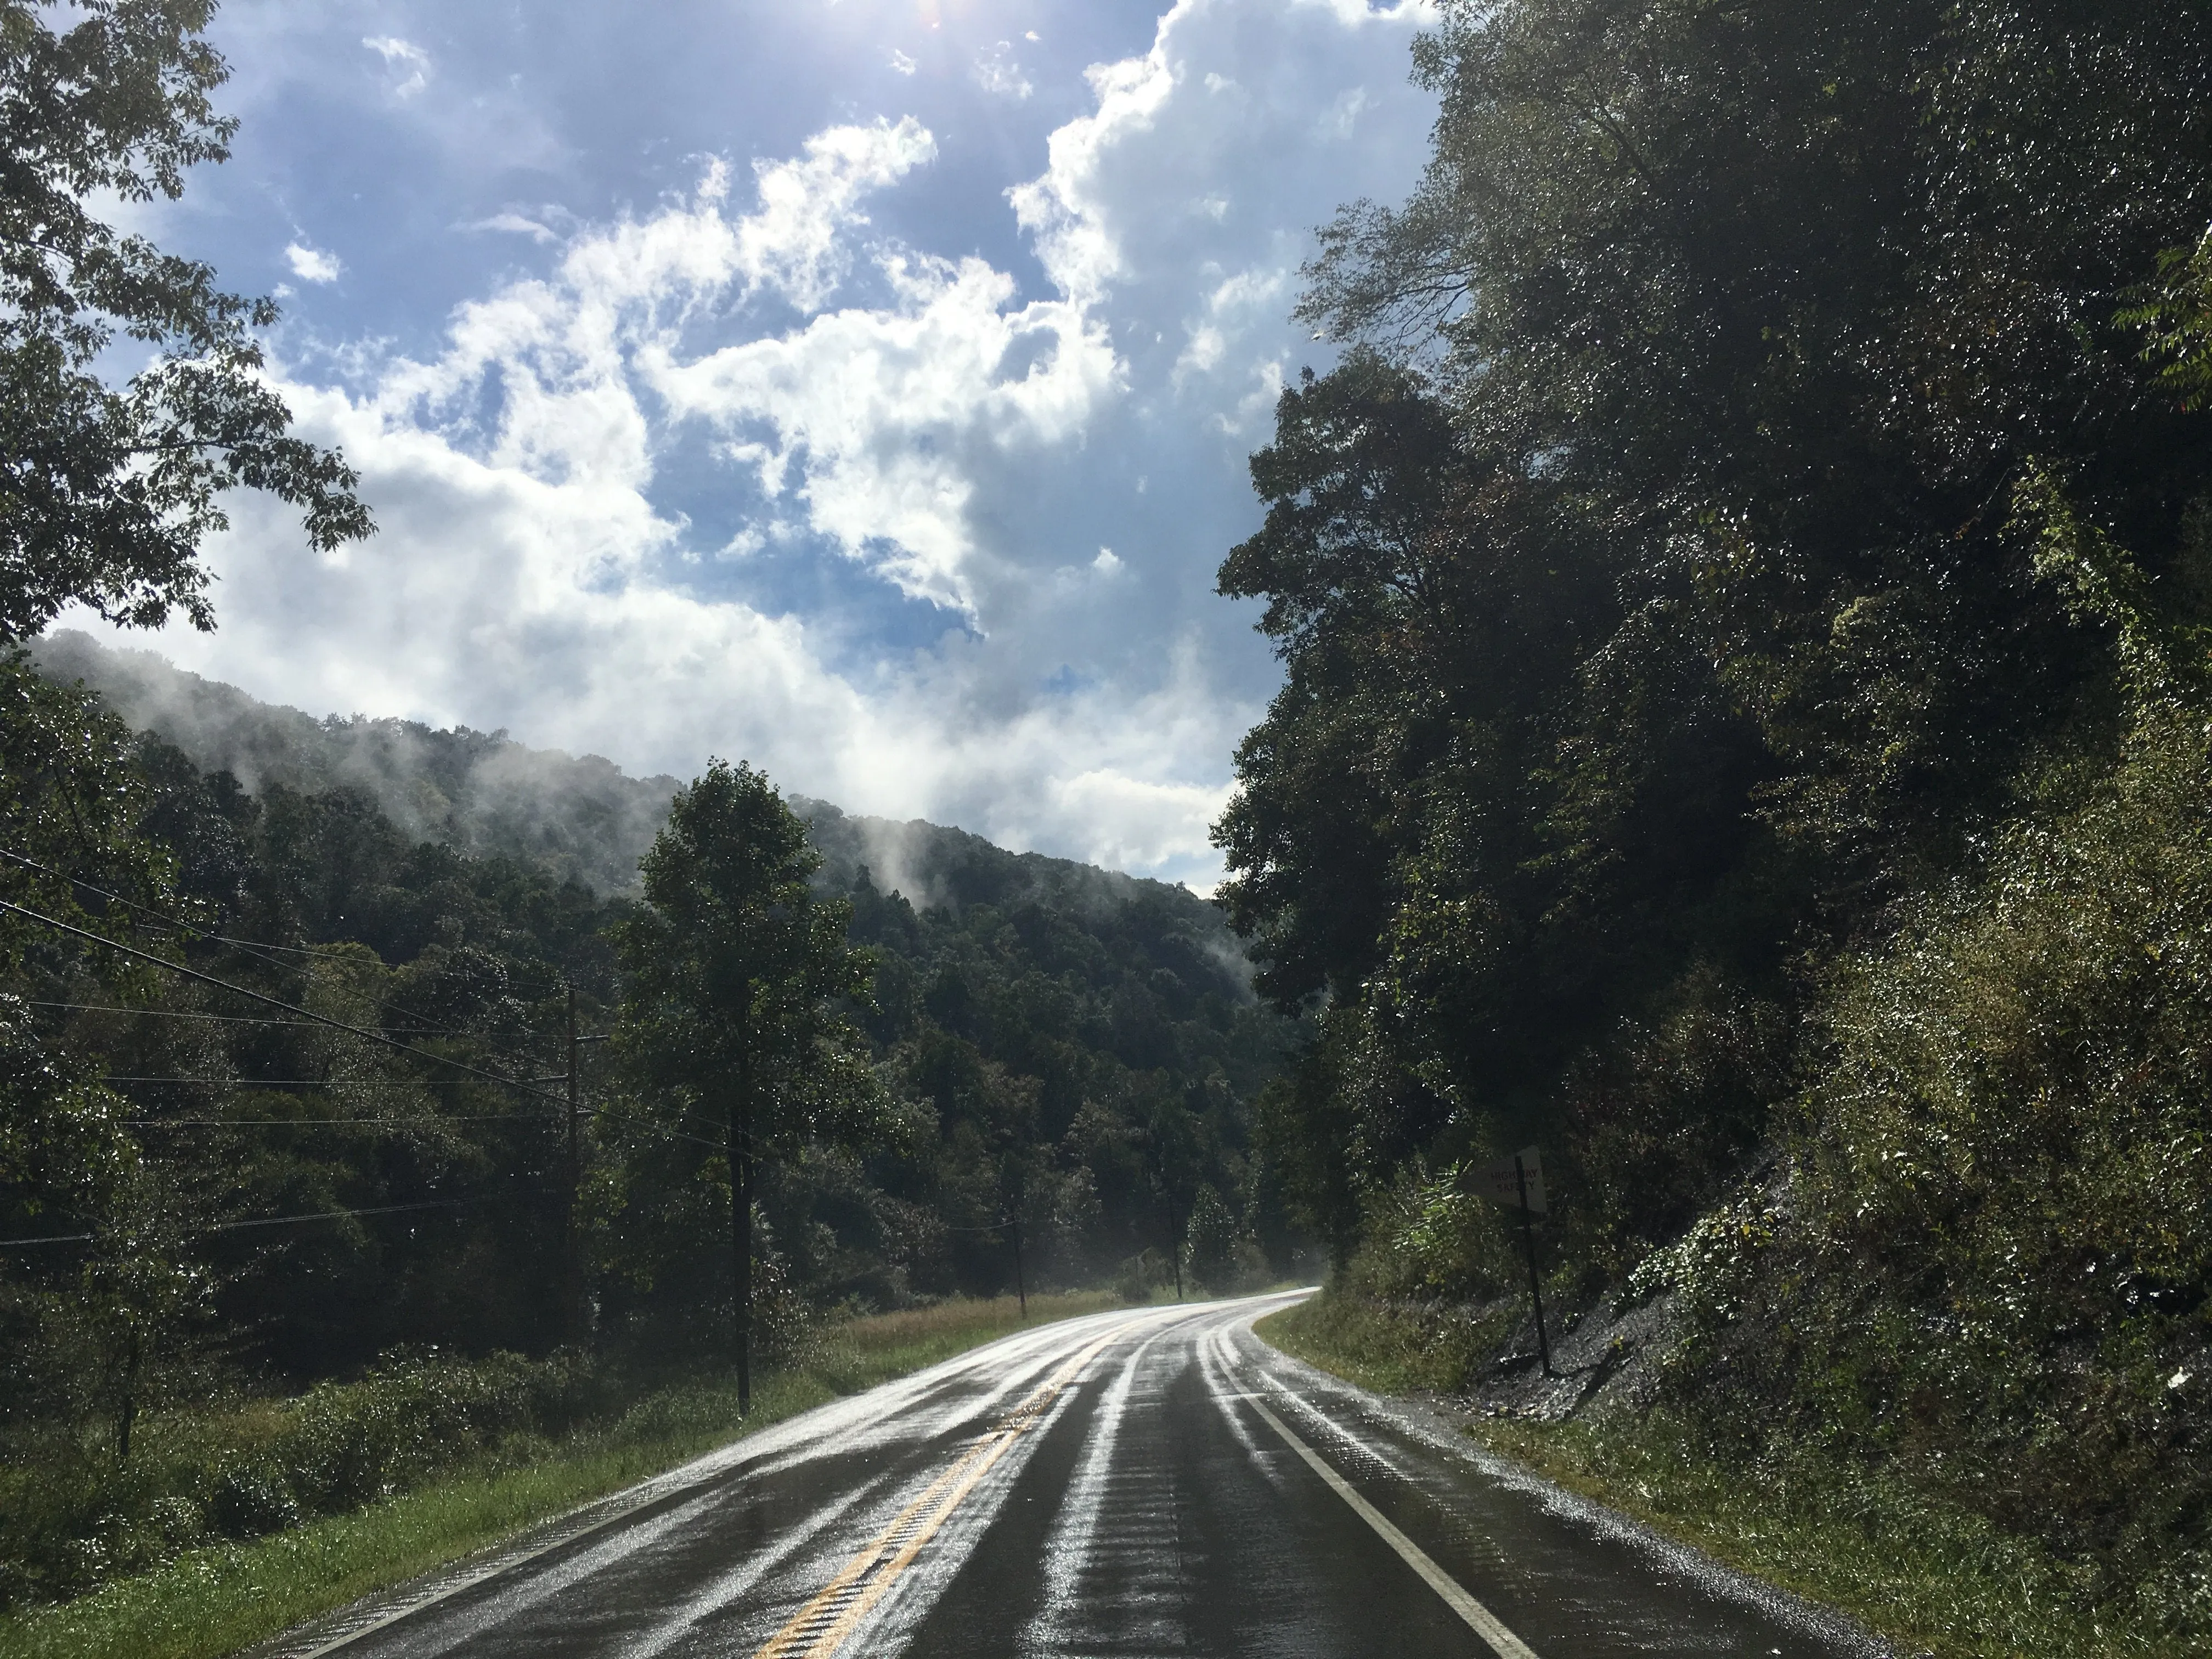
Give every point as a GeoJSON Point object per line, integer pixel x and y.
{"type": "Point", "coordinates": [648, 1125]}
{"type": "Point", "coordinates": [164, 1013]}
{"type": "Point", "coordinates": [320, 1122]}
{"type": "Point", "coordinates": [232, 1020]}
{"type": "Point", "coordinates": [176, 925]}
{"type": "Point", "coordinates": [286, 1220]}
{"type": "Point", "coordinates": [158, 915]}
{"type": "Point", "coordinates": [316, 1082]}
{"type": "Point", "coordinates": [310, 1016]}
{"type": "Point", "coordinates": [324, 952]}
{"type": "Point", "coordinates": [273, 1002]}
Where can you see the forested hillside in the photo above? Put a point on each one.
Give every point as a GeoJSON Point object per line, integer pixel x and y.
{"type": "Point", "coordinates": [1747, 729]}
{"type": "Point", "coordinates": [204, 1190]}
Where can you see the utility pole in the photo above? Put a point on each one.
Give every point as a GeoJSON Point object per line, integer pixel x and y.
{"type": "Point", "coordinates": [1020, 1289]}
{"type": "Point", "coordinates": [1175, 1231]}
{"type": "Point", "coordinates": [572, 1242]}
{"type": "Point", "coordinates": [741, 1228]}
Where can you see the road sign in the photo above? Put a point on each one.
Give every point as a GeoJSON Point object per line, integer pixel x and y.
{"type": "Point", "coordinates": [1506, 1183]}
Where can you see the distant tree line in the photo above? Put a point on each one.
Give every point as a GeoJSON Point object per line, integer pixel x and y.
{"type": "Point", "coordinates": [915, 1090]}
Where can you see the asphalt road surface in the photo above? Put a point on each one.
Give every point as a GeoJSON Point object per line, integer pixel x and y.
{"type": "Point", "coordinates": [1153, 1482]}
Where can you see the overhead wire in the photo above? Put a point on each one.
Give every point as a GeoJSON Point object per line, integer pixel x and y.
{"type": "Point", "coordinates": [189, 930]}
{"type": "Point", "coordinates": [309, 1016]}
{"type": "Point", "coordinates": [236, 1019]}
{"type": "Point", "coordinates": [286, 1220]}
{"type": "Point", "coordinates": [318, 1082]}
{"type": "Point", "coordinates": [373, 1034]}
{"type": "Point", "coordinates": [164, 1013]}
{"type": "Point", "coordinates": [325, 1122]}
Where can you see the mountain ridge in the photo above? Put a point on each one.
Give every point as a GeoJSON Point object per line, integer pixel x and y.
{"type": "Point", "coordinates": [578, 817]}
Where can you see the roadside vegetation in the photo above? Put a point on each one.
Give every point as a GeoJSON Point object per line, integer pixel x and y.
{"type": "Point", "coordinates": [1928, 1572]}
{"type": "Point", "coordinates": [230, 1526]}
{"type": "Point", "coordinates": [1746, 732]}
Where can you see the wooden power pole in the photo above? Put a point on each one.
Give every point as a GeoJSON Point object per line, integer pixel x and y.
{"type": "Point", "coordinates": [741, 1230]}
{"type": "Point", "coordinates": [572, 1242]}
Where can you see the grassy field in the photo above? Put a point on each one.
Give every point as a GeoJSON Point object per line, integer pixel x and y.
{"type": "Point", "coordinates": [1932, 1577]}
{"type": "Point", "coordinates": [211, 1602]}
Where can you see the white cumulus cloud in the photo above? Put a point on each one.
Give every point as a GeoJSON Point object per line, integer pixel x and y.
{"type": "Point", "coordinates": [997, 72]}
{"type": "Point", "coordinates": [312, 264]}
{"type": "Point", "coordinates": [879, 413]}
{"type": "Point", "coordinates": [1044, 477]}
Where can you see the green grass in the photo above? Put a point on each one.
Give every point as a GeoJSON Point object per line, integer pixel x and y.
{"type": "Point", "coordinates": [212, 1601]}
{"type": "Point", "coordinates": [1930, 1575]}
{"type": "Point", "coordinates": [1392, 1349]}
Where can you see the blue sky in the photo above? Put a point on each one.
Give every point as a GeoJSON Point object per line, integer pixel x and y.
{"type": "Point", "coordinates": [862, 389]}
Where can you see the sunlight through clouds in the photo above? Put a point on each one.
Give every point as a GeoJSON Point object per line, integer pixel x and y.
{"type": "Point", "coordinates": [1042, 475]}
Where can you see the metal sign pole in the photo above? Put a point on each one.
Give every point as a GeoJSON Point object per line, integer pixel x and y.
{"type": "Point", "coordinates": [1528, 1240]}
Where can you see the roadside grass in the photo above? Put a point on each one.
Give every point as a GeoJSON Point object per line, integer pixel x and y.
{"type": "Point", "coordinates": [1930, 1577]}
{"type": "Point", "coordinates": [211, 1602]}
{"type": "Point", "coordinates": [1390, 1348]}
{"type": "Point", "coordinates": [857, 1354]}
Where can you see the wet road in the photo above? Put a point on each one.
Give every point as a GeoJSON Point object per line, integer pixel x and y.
{"type": "Point", "coordinates": [1152, 1482]}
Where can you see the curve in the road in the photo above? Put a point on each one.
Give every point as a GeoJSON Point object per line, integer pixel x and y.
{"type": "Point", "coordinates": [1145, 1483]}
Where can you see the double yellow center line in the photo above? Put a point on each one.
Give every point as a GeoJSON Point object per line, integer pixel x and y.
{"type": "Point", "coordinates": [821, 1627]}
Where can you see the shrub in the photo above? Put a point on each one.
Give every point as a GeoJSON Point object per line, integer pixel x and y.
{"type": "Point", "coordinates": [72, 1516]}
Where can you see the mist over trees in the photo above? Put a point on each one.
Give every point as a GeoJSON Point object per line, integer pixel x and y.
{"type": "Point", "coordinates": [1742, 598]}
{"type": "Point", "coordinates": [1049, 1049]}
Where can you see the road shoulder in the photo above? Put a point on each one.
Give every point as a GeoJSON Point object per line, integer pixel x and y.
{"type": "Point", "coordinates": [1453, 1428]}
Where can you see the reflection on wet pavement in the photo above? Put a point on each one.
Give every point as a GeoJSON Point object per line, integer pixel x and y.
{"type": "Point", "coordinates": [1108, 1487]}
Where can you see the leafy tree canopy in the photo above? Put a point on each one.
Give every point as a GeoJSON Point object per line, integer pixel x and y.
{"type": "Point", "coordinates": [739, 977]}
{"type": "Point", "coordinates": [107, 491]}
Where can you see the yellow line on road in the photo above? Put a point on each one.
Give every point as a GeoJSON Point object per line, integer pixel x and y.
{"type": "Point", "coordinates": [1486, 1624]}
{"type": "Point", "coordinates": [821, 1627]}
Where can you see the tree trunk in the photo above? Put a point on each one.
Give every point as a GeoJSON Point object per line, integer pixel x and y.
{"type": "Point", "coordinates": [129, 1414]}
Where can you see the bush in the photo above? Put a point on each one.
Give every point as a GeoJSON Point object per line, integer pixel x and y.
{"type": "Point", "coordinates": [1428, 1239]}
{"type": "Point", "coordinates": [245, 1501]}
{"type": "Point", "coordinates": [72, 1517]}
{"type": "Point", "coordinates": [1143, 1274]}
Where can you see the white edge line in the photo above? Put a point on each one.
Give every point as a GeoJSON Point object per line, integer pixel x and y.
{"type": "Point", "coordinates": [1485, 1623]}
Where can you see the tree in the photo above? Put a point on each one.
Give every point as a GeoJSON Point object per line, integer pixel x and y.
{"type": "Point", "coordinates": [107, 491]}
{"type": "Point", "coordinates": [1210, 1241]}
{"type": "Point", "coordinates": [740, 983]}
{"type": "Point", "coordinates": [1650, 603]}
